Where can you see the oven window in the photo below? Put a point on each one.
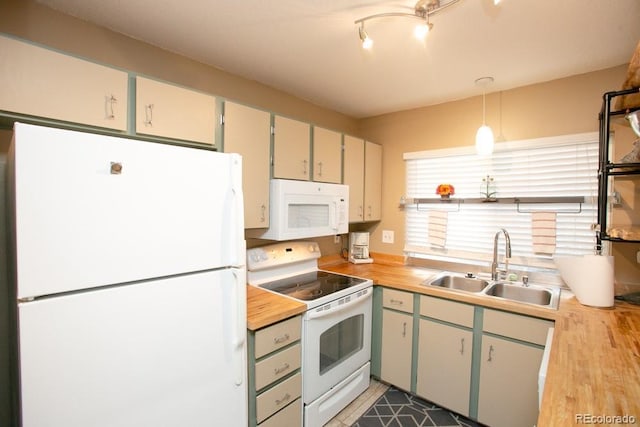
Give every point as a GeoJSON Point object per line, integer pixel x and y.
{"type": "Point", "coordinates": [341, 341]}
{"type": "Point", "coordinates": [308, 215]}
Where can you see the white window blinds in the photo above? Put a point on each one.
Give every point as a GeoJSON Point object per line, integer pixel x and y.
{"type": "Point", "coordinates": [549, 167]}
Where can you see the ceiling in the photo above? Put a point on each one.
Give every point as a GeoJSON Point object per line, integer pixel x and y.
{"type": "Point", "coordinates": [311, 49]}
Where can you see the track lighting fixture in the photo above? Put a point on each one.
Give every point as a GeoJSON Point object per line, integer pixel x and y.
{"type": "Point", "coordinates": [422, 11]}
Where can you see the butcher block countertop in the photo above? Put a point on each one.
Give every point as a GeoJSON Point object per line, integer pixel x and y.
{"type": "Point", "coordinates": [594, 364]}
{"type": "Point", "coordinates": [265, 308]}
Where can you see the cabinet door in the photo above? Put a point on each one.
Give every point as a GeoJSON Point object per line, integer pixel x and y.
{"type": "Point", "coordinates": [444, 365]}
{"type": "Point", "coordinates": [291, 149]}
{"type": "Point", "coordinates": [397, 338]}
{"type": "Point", "coordinates": [247, 131]}
{"type": "Point", "coordinates": [372, 181]}
{"type": "Point", "coordinates": [354, 176]}
{"type": "Point", "coordinates": [327, 156]}
{"type": "Point", "coordinates": [508, 395]}
{"type": "Point", "coordinates": [44, 83]}
{"type": "Point", "coordinates": [174, 112]}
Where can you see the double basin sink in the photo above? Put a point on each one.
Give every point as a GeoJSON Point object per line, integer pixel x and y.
{"type": "Point", "coordinates": [541, 296]}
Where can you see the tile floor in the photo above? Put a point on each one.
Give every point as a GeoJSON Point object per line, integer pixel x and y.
{"type": "Point", "coordinates": [349, 415]}
{"type": "Point", "coordinates": [397, 409]}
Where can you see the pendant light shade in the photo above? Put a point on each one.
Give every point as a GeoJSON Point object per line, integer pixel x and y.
{"type": "Point", "coordinates": [484, 140]}
{"type": "Point", "coordinates": [484, 135]}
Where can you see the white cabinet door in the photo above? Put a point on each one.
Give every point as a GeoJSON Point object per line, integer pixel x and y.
{"type": "Point", "coordinates": [40, 82]}
{"type": "Point", "coordinates": [444, 365]}
{"type": "Point", "coordinates": [291, 149]}
{"type": "Point", "coordinates": [247, 131]}
{"type": "Point", "coordinates": [508, 395]}
{"type": "Point", "coordinates": [372, 182]}
{"type": "Point", "coordinates": [96, 210]}
{"type": "Point", "coordinates": [327, 155]}
{"type": "Point", "coordinates": [397, 339]}
{"type": "Point", "coordinates": [174, 112]}
{"type": "Point", "coordinates": [354, 176]}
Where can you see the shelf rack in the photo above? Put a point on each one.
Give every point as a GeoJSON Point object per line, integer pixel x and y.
{"type": "Point", "coordinates": [606, 168]}
{"type": "Point", "coordinates": [518, 201]}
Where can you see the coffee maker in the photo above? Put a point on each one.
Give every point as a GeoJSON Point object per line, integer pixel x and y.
{"type": "Point", "coordinates": [359, 248]}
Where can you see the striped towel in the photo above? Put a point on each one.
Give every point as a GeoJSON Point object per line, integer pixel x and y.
{"type": "Point", "coordinates": [438, 228]}
{"type": "Point", "coordinates": [543, 232]}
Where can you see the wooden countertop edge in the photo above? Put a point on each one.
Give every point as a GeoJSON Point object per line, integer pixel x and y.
{"type": "Point", "coordinates": [265, 308]}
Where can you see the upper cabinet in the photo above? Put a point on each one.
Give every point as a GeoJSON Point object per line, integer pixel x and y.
{"type": "Point", "coordinates": [363, 174]}
{"type": "Point", "coordinates": [291, 149]}
{"type": "Point", "coordinates": [247, 131]}
{"type": "Point", "coordinates": [40, 82]}
{"type": "Point", "coordinates": [372, 181]}
{"type": "Point", "coordinates": [172, 111]}
{"type": "Point", "coordinates": [327, 155]}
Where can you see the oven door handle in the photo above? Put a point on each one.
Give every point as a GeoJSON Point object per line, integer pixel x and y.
{"type": "Point", "coordinates": [315, 314]}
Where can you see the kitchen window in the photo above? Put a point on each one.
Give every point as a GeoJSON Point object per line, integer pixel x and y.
{"type": "Point", "coordinates": [546, 167]}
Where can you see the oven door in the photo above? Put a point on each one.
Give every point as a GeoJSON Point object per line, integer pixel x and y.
{"type": "Point", "coordinates": [337, 342]}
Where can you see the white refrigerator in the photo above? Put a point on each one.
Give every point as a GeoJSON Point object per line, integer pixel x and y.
{"type": "Point", "coordinates": [129, 282]}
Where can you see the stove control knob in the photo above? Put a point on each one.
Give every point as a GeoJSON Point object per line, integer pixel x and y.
{"type": "Point", "coordinates": [312, 248]}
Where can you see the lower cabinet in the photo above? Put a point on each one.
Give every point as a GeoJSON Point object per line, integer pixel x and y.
{"type": "Point", "coordinates": [476, 361]}
{"type": "Point", "coordinates": [512, 348]}
{"type": "Point", "coordinates": [275, 380]}
{"type": "Point", "coordinates": [444, 353]}
{"type": "Point", "coordinates": [397, 338]}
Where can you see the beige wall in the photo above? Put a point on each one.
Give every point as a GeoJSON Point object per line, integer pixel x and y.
{"type": "Point", "coordinates": [563, 106]}
{"type": "Point", "coordinates": [560, 107]}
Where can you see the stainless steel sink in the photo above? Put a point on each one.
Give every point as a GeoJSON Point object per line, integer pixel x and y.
{"type": "Point", "coordinates": [459, 282]}
{"type": "Point", "coordinates": [538, 295]}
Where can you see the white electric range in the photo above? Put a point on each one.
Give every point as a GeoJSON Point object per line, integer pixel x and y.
{"type": "Point", "coordinates": [336, 330]}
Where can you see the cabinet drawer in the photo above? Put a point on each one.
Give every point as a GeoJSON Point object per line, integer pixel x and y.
{"type": "Point", "coordinates": [291, 416]}
{"type": "Point", "coordinates": [277, 366]}
{"type": "Point", "coordinates": [277, 336]}
{"type": "Point", "coordinates": [510, 325]}
{"type": "Point", "coordinates": [448, 311]}
{"type": "Point", "coordinates": [278, 397]}
{"type": "Point", "coordinates": [397, 300]}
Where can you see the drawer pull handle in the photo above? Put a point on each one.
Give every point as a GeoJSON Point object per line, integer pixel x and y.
{"type": "Point", "coordinates": [278, 371]}
{"type": "Point", "coordinates": [285, 398]}
{"type": "Point", "coordinates": [281, 339]}
{"type": "Point", "coordinates": [396, 301]}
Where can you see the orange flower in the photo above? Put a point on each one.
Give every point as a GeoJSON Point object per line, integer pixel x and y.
{"type": "Point", "coordinates": [445, 190]}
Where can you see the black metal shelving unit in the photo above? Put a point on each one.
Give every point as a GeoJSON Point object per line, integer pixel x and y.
{"type": "Point", "coordinates": [606, 168]}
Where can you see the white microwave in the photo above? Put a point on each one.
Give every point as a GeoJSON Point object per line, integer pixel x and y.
{"type": "Point", "coordinates": [303, 209]}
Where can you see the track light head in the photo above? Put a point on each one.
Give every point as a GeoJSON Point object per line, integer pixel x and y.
{"type": "Point", "coordinates": [367, 43]}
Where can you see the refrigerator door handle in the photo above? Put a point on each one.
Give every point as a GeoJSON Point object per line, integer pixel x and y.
{"type": "Point", "coordinates": [238, 209]}
{"type": "Point", "coordinates": [239, 319]}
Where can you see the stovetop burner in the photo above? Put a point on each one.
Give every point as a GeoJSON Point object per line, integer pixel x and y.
{"type": "Point", "coordinates": [313, 285]}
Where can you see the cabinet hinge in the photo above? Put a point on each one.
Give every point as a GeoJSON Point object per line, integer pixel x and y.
{"type": "Point", "coordinates": [273, 130]}
{"type": "Point", "coordinates": [221, 119]}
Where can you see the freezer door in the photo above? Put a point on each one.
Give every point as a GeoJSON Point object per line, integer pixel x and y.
{"type": "Point", "coordinates": [161, 353]}
{"type": "Point", "coordinates": [93, 210]}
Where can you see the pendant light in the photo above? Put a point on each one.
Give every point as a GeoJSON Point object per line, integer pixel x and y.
{"type": "Point", "coordinates": [484, 135]}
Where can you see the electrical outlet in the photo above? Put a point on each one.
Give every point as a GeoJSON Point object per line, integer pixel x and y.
{"type": "Point", "coordinates": [336, 239]}
{"type": "Point", "coordinates": [387, 236]}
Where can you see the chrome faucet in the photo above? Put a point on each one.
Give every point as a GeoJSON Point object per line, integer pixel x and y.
{"type": "Point", "coordinates": [507, 253]}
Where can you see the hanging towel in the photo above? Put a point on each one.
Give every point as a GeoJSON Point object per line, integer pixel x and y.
{"type": "Point", "coordinates": [438, 228]}
{"type": "Point", "coordinates": [543, 232]}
